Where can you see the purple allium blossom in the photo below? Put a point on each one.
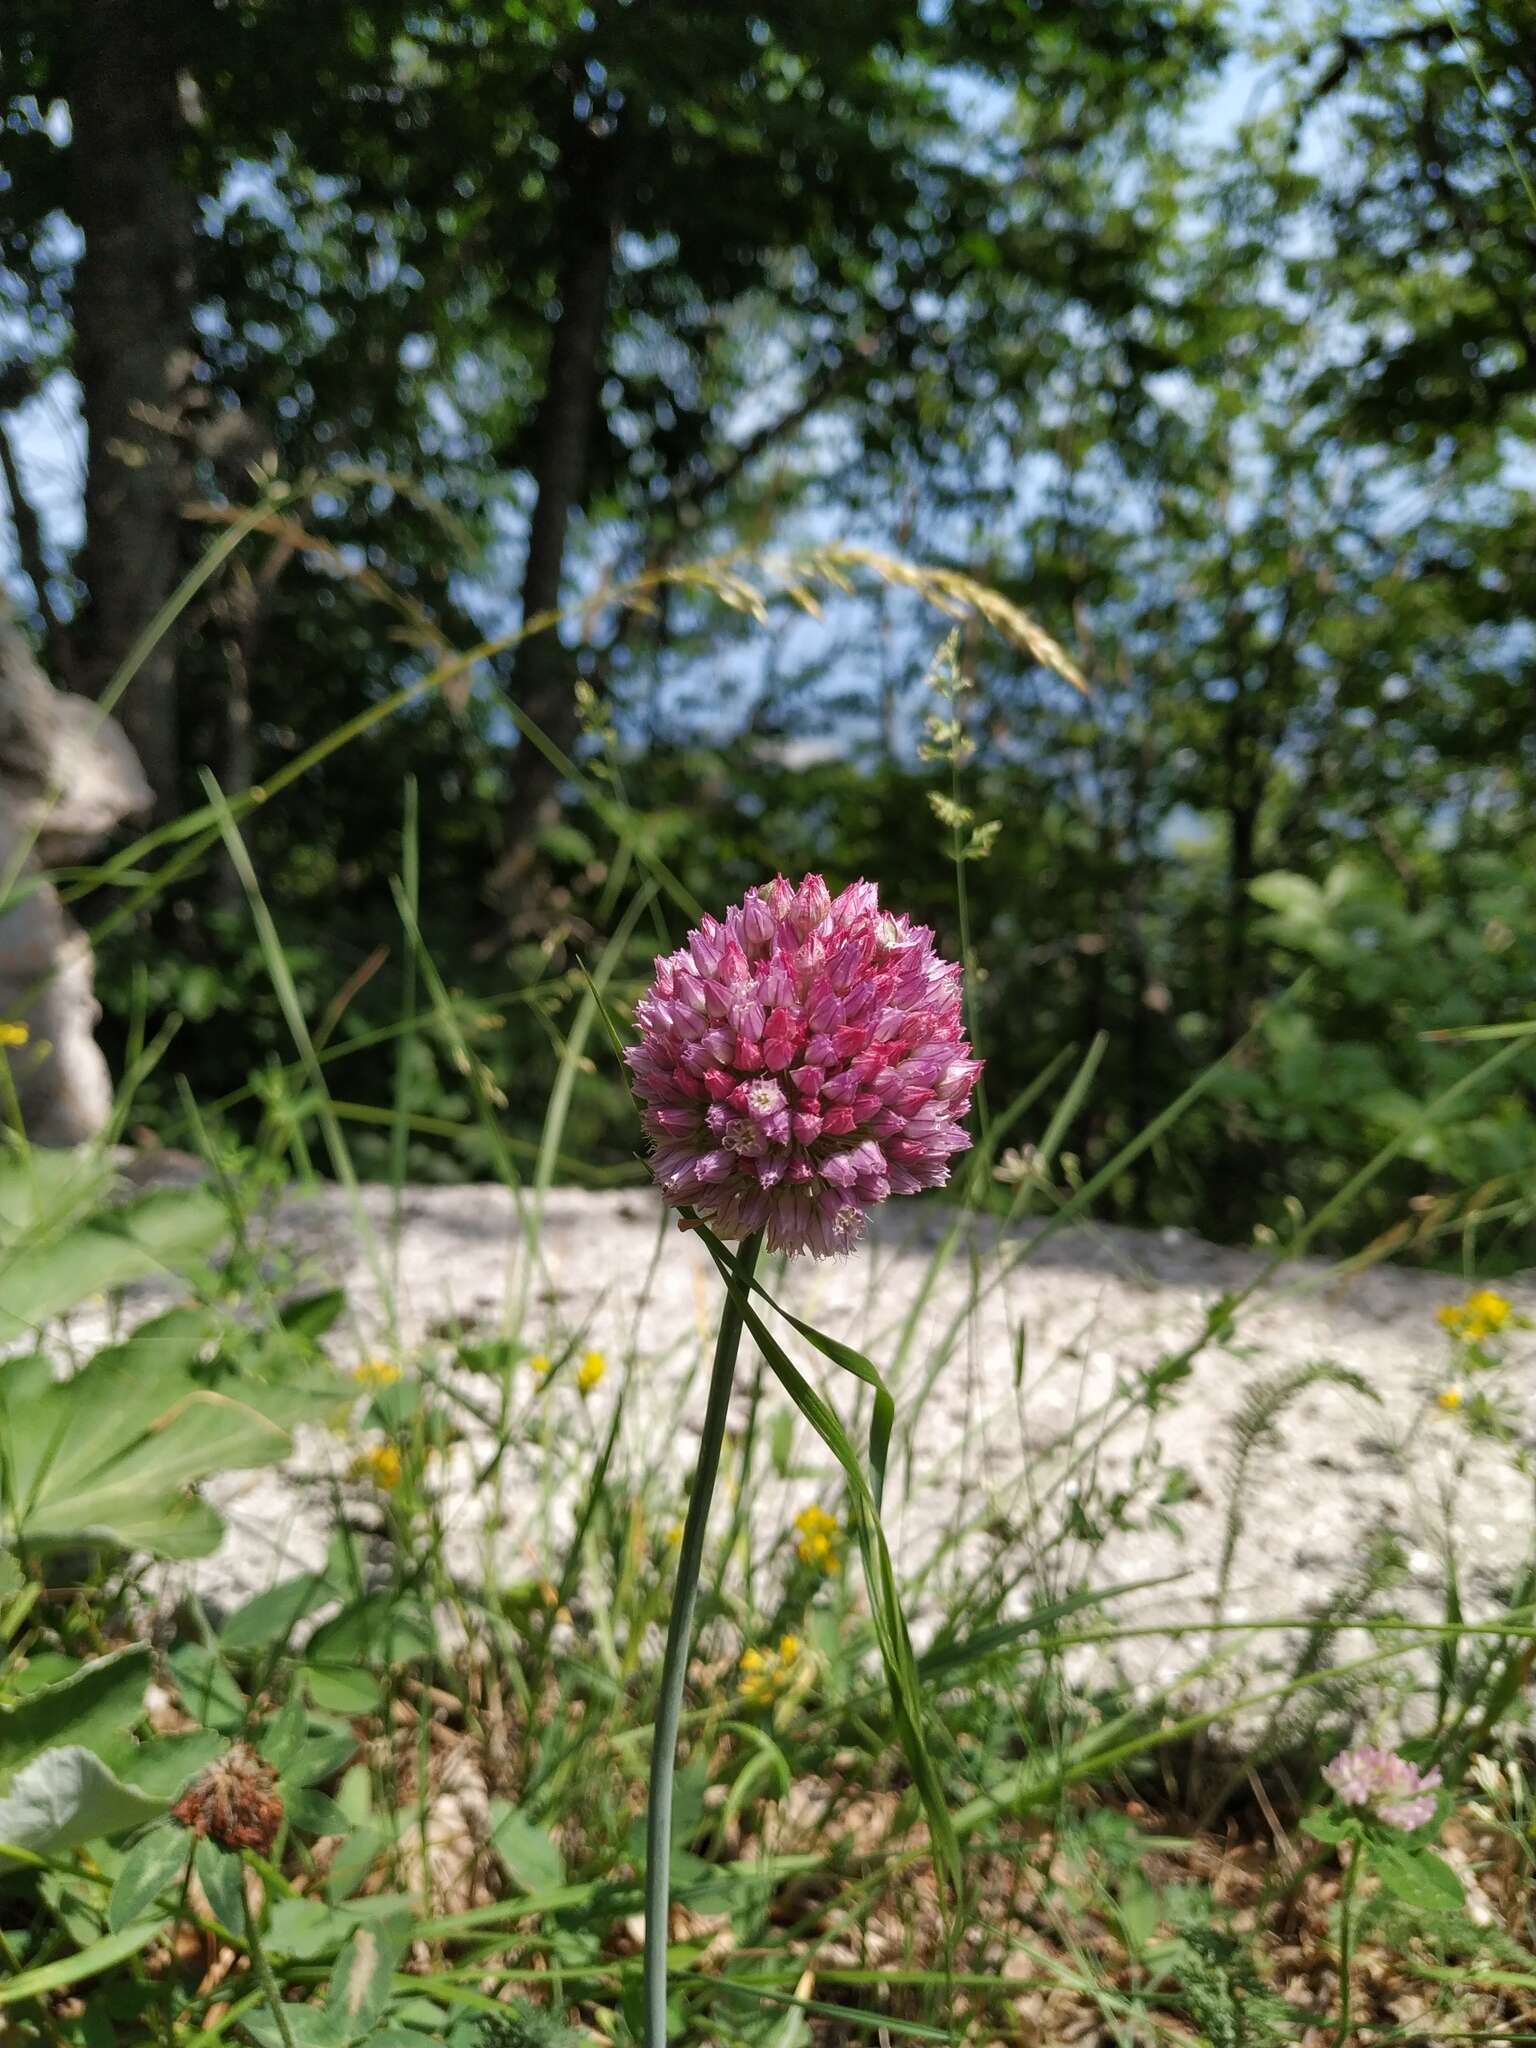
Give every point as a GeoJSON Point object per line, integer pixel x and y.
{"type": "Point", "coordinates": [1395, 1790]}
{"type": "Point", "coordinates": [801, 1061]}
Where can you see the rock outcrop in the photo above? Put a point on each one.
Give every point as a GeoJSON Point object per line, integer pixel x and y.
{"type": "Point", "coordinates": [67, 776]}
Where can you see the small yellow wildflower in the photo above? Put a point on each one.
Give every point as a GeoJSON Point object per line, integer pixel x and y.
{"type": "Point", "coordinates": [816, 1534]}
{"type": "Point", "coordinates": [14, 1034]}
{"type": "Point", "coordinates": [675, 1536]}
{"type": "Point", "coordinates": [1450, 1399]}
{"type": "Point", "coordinates": [591, 1370]}
{"type": "Point", "coordinates": [380, 1466]}
{"type": "Point", "coordinates": [376, 1372]}
{"type": "Point", "coordinates": [1490, 1309]}
{"type": "Point", "coordinates": [1481, 1315]}
{"type": "Point", "coordinates": [767, 1673]}
{"type": "Point", "coordinates": [538, 1365]}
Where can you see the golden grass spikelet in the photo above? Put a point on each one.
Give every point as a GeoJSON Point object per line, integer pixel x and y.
{"type": "Point", "coordinates": [958, 596]}
{"type": "Point", "coordinates": [744, 580]}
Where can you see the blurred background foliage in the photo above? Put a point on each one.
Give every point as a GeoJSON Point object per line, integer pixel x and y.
{"type": "Point", "coordinates": [1205, 333]}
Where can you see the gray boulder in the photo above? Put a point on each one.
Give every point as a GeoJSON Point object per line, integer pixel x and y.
{"type": "Point", "coordinates": [67, 776]}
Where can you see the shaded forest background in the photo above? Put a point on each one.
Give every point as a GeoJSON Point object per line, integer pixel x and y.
{"type": "Point", "coordinates": [1207, 335]}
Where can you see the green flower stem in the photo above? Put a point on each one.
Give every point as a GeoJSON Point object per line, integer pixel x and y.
{"type": "Point", "coordinates": [674, 1669]}
{"type": "Point", "coordinates": [1352, 1877]}
{"type": "Point", "coordinates": [271, 1990]}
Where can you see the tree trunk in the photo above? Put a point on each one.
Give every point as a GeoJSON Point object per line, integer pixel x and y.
{"type": "Point", "coordinates": [543, 672]}
{"type": "Point", "coordinates": [133, 355]}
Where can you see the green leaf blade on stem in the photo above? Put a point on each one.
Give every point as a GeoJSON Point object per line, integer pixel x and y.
{"type": "Point", "coordinates": [882, 1422]}
{"type": "Point", "coordinates": [947, 1657]}
{"type": "Point", "coordinates": [91, 1961]}
{"type": "Point", "coordinates": [880, 1578]}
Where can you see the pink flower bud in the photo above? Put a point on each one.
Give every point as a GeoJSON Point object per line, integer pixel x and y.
{"type": "Point", "coordinates": [757, 924]}
{"type": "Point", "coordinates": [812, 902]}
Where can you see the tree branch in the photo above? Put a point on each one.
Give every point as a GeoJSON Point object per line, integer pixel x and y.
{"type": "Point", "coordinates": [1352, 49]}
{"type": "Point", "coordinates": [835, 377]}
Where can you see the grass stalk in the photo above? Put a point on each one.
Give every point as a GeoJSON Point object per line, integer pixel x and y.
{"type": "Point", "coordinates": [674, 1670]}
{"type": "Point", "coordinates": [1352, 1878]}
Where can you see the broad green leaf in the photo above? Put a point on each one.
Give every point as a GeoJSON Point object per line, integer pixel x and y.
{"type": "Point", "coordinates": [111, 1454]}
{"type": "Point", "coordinates": [68, 1796]}
{"type": "Point", "coordinates": [1324, 1825]}
{"type": "Point", "coordinates": [355, 1856]}
{"type": "Point", "coordinates": [497, 1355]}
{"type": "Point", "coordinates": [183, 1527]}
{"type": "Point", "coordinates": [304, 1928]}
{"type": "Point", "coordinates": [381, 1628]}
{"type": "Point", "coordinates": [272, 1616]}
{"type": "Point", "coordinates": [208, 1693]}
{"type": "Point", "coordinates": [690, 1795]}
{"type": "Point", "coordinates": [166, 1764]}
{"type": "Point", "coordinates": [308, 2026]}
{"type": "Point", "coordinates": [354, 1795]}
{"type": "Point", "coordinates": [43, 1667]}
{"type": "Point", "coordinates": [529, 1854]}
{"type": "Point", "coordinates": [314, 1813]}
{"type": "Point", "coordinates": [221, 1873]}
{"type": "Point", "coordinates": [283, 1737]}
{"type": "Point", "coordinates": [41, 1276]}
{"type": "Point", "coordinates": [313, 1314]}
{"type": "Point", "coordinates": [321, 1756]}
{"type": "Point", "coordinates": [204, 1432]}
{"type": "Point", "coordinates": [96, 1702]}
{"type": "Point", "coordinates": [123, 1391]}
{"type": "Point", "coordinates": [156, 1864]}
{"type": "Point", "coordinates": [337, 1690]}
{"type": "Point", "coordinates": [1139, 1908]}
{"type": "Point", "coordinates": [39, 1187]}
{"type": "Point", "coordinates": [1417, 1877]}
{"type": "Point", "coordinates": [360, 1982]}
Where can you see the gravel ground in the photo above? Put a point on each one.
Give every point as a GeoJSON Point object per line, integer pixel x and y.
{"type": "Point", "coordinates": [1013, 1357]}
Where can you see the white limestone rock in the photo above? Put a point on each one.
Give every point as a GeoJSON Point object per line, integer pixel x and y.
{"type": "Point", "coordinates": [68, 776]}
